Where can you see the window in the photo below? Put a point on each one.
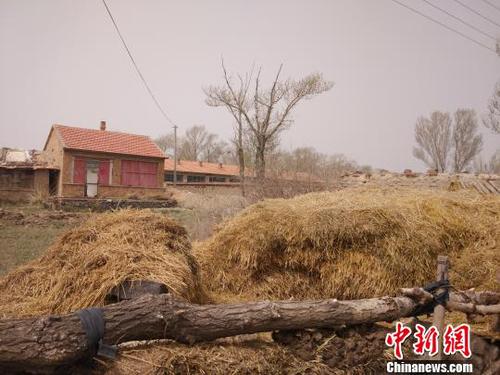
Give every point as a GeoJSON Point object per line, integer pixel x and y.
{"type": "Point", "coordinates": [169, 177]}
{"type": "Point", "coordinates": [195, 178]}
{"type": "Point", "coordinates": [139, 173]}
{"type": "Point", "coordinates": [217, 179]}
{"type": "Point", "coordinates": [234, 179]}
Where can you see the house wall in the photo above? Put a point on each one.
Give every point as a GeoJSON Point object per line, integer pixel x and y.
{"type": "Point", "coordinates": [212, 188]}
{"type": "Point", "coordinates": [41, 183]}
{"type": "Point", "coordinates": [55, 156]}
{"type": "Point", "coordinates": [115, 189]}
{"type": "Point", "coordinates": [17, 185]}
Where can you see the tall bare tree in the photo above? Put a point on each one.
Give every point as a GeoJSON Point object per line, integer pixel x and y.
{"type": "Point", "coordinates": [215, 149]}
{"type": "Point", "coordinates": [194, 142]}
{"type": "Point", "coordinates": [165, 142]}
{"type": "Point", "coordinates": [433, 138]}
{"type": "Point", "coordinates": [492, 118]}
{"type": "Point", "coordinates": [266, 112]}
{"type": "Point", "coordinates": [466, 141]}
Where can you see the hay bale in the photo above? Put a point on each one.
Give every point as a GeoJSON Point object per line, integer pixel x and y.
{"type": "Point", "coordinates": [353, 243]}
{"type": "Point", "coordinates": [83, 265]}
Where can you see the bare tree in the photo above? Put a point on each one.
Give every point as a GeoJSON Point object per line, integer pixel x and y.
{"type": "Point", "coordinates": [165, 142]}
{"type": "Point", "coordinates": [492, 118]}
{"type": "Point", "coordinates": [492, 166]}
{"type": "Point", "coordinates": [494, 163]}
{"type": "Point", "coordinates": [267, 112]}
{"type": "Point", "coordinates": [194, 142]}
{"type": "Point", "coordinates": [307, 160]}
{"type": "Point", "coordinates": [466, 141]}
{"type": "Point", "coordinates": [433, 137]}
{"type": "Point", "coordinates": [215, 149]}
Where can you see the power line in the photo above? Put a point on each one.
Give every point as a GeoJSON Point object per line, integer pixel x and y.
{"type": "Point", "coordinates": [460, 20]}
{"type": "Point", "coordinates": [477, 13]}
{"type": "Point", "coordinates": [491, 4]}
{"type": "Point", "coordinates": [136, 66]}
{"type": "Point", "coordinates": [444, 25]}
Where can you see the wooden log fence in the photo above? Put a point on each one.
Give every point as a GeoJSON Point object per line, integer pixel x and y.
{"type": "Point", "coordinates": [42, 344]}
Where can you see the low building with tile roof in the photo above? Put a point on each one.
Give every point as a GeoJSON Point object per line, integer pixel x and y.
{"type": "Point", "coordinates": [201, 172]}
{"type": "Point", "coordinates": [105, 164]}
{"type": "Point", "coordinates": [24, 175]}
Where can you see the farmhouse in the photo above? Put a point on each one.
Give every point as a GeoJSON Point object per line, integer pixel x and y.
{"type": "Point", "coordinates": [25, 174]}
{"type": "Point", "coordinates": [102, 163]}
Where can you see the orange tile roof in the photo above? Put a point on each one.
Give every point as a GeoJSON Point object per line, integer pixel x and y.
{"type": "Point", "coordinates": [189, 166]}
{"type": "Point", "coordinates": [107, 141]}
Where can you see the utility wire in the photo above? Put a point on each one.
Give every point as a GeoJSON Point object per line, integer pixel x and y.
{"type": "Point", "coordinates": [444, 25]}
{"type": "Point", "coordinates": [460, 20]}
{"type": "Point", "coordinates": [477, 13]}
{"type": "Point", "coordinates": [136, 66]}
{"type": "Point", "coordinates": [491, 4]}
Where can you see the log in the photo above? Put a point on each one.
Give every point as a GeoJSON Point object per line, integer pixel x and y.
{"type": "Point", "coordinates": [439, 310]}
{"type": "Point", "coordinates": [469, 302]}
{"type": "Point", "coordinates": [42, 344]}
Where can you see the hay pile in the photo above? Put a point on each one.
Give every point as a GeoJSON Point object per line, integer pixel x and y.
{"type": "Point", "coordinates": [87, 262]}
{"type": "Point", "coordinates": [219, 358]}
{"type": "Point", "coordinates": [354, 350]}
{"type": "Point", "coordinates": [353, 243]}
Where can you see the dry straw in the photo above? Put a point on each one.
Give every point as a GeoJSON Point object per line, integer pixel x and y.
{"type": "Point", "coordinates": [249, 357]}
{"type": "Point", "coordinates": [82, 266]}
{"type": "Point", "coordinates": [353, 244]}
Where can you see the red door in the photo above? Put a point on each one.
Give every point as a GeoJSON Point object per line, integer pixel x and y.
{"type": "Point", "coordinates": [79, 171]}
{"type": "Point", "coordinates": [103, 172]}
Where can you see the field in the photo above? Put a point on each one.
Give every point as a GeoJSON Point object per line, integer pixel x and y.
{"type": "Point", "coordinates": [351, 244]}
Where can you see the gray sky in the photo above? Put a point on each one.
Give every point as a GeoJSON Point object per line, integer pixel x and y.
{"type": "Point", "coordinates": [61, 62]}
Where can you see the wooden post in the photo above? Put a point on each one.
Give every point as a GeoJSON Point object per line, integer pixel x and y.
{"type": "Point", "coordinates": [495, 323]}
{"type": "Point", "coordinates": [439, 310]}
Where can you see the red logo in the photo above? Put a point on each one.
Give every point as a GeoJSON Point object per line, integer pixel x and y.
{"type": "Point", "coordinates": [457, 340]}
{"type": "Point", "coordinates": [397, 339]}
{"type": "Point", "coordinates": [426, 340]}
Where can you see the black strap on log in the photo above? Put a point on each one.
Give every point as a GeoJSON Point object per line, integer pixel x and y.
{"type": "Point", "coordinates": [440, 291]}
{"type": "Point", "coordinates": [93, 324]}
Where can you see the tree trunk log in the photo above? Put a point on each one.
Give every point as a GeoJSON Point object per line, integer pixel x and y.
{"type": "Point", "coordinates": [43, 343]}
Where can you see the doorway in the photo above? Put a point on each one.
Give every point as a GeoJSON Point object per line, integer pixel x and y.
{"type": "Point", "coordinates": [92, 177]}
{"type": "Point", "coordinates": [53, 182]}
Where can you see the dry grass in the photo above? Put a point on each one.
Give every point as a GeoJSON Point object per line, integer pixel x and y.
{"type": "Point", "coordinates": [352, 244]}
{"type": "Point", "coordinates": [83, 265]}
{"type": "Point", "coordinates": [204, 210]}
{"type": "Point", "coordinates": [250, 357]}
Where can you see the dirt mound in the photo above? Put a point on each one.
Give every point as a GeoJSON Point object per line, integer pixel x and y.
{"type": "Point", "coordinates": [353, 243]}
{"type": "Point", "coordinates": [359, 349]}
{"type": "Point", "coordinates": [87, 262]}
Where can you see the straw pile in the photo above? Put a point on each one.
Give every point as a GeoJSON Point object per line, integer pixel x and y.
{"type": "Point", "coordinates": [353, 243]}
{"type": "Point", "coordinates": [255, 357]}
{"type": "Point", "coordinates": [82, 266]}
